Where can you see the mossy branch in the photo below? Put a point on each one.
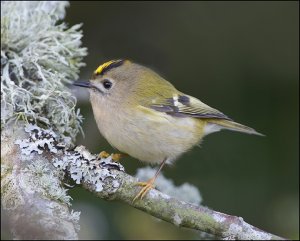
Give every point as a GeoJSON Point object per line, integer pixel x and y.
{"type": "Point", "coordinates": [35, 203]}
{"type": "Point", "coordinates": [104, 178]}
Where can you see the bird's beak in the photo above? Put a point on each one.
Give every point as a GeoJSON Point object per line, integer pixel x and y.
{"type": "Point", "coordinates": [83, 84]}
{"type": "Point", "coordinates": [87, 84]}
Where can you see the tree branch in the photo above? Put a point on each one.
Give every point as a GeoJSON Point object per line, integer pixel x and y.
{"type": "Point", "coordinates": [107, 180]}
{"type": "Point", "coordinates": [184, 214]}
{"type": "Point", "coordinates": [35, 204]}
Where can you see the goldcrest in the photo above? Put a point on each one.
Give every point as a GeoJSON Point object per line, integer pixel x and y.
{"type": "Point", "coordinates": [145, 116]}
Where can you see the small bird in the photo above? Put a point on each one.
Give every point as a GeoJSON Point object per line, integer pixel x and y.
{"type": "Point", "coordinates": [143, 115]}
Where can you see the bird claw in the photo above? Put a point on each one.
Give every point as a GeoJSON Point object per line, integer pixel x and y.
{"type": "Point", "coordinates": [115, 156]}
{"type": "Point", "coordinates": [147, 186]}
{"type": "Point", "coordinates": [103, 154]}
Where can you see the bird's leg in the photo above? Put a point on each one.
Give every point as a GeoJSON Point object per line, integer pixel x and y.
{"type": "Point", "coordinates": [149, 184]}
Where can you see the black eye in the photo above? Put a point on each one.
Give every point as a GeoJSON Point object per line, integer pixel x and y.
{"type": "Point", "coordinates": [107, 84]}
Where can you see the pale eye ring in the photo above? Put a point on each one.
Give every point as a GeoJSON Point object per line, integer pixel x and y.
{"type": "Point", "coordinates": [107, 84]}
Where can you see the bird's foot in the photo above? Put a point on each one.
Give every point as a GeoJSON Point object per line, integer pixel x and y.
{"type": "Point", "coordinates": [103, 154]}
{"type": "Point", "coordinates": [147, 186]}
{"type": "Point", "coordinates": [115, 156]}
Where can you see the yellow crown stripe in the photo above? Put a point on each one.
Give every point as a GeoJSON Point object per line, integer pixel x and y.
{"type": "Point", "coordinates": [103, 66]}
{"type": "Point", "coordinates": [109, 65]}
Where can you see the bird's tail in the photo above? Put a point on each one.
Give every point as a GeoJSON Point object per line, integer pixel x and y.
{"type": "Point", "coordinates": [234, 126]}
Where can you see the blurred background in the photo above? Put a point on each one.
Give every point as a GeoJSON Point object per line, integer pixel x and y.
{"type": "Point", "coordinates": [239, 57]}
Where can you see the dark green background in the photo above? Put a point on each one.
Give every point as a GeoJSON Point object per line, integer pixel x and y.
{"type": "Point", "coordinates": [239, 57]}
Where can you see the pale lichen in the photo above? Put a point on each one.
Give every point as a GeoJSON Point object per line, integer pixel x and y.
{"type": "Point", "coordinates": [82, 166]}
{"type": "Point", "coordinates": [45, 164]}
{"type": "Point", "coordinates": [35, 176]}
{"type": "Point", "coordinates": [78, 163]}
{"type": "Point", "coordinates": [38, 57]}
{"type": "Point", "coordinates": [40, 177]}
{"type": "Point", "coordinates": [39, 140]}
{"type": "Point", "coordinates": [31, 189]}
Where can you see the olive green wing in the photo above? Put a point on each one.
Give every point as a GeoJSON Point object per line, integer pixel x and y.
{"type": "Point", "coordinates": [182, 105]}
